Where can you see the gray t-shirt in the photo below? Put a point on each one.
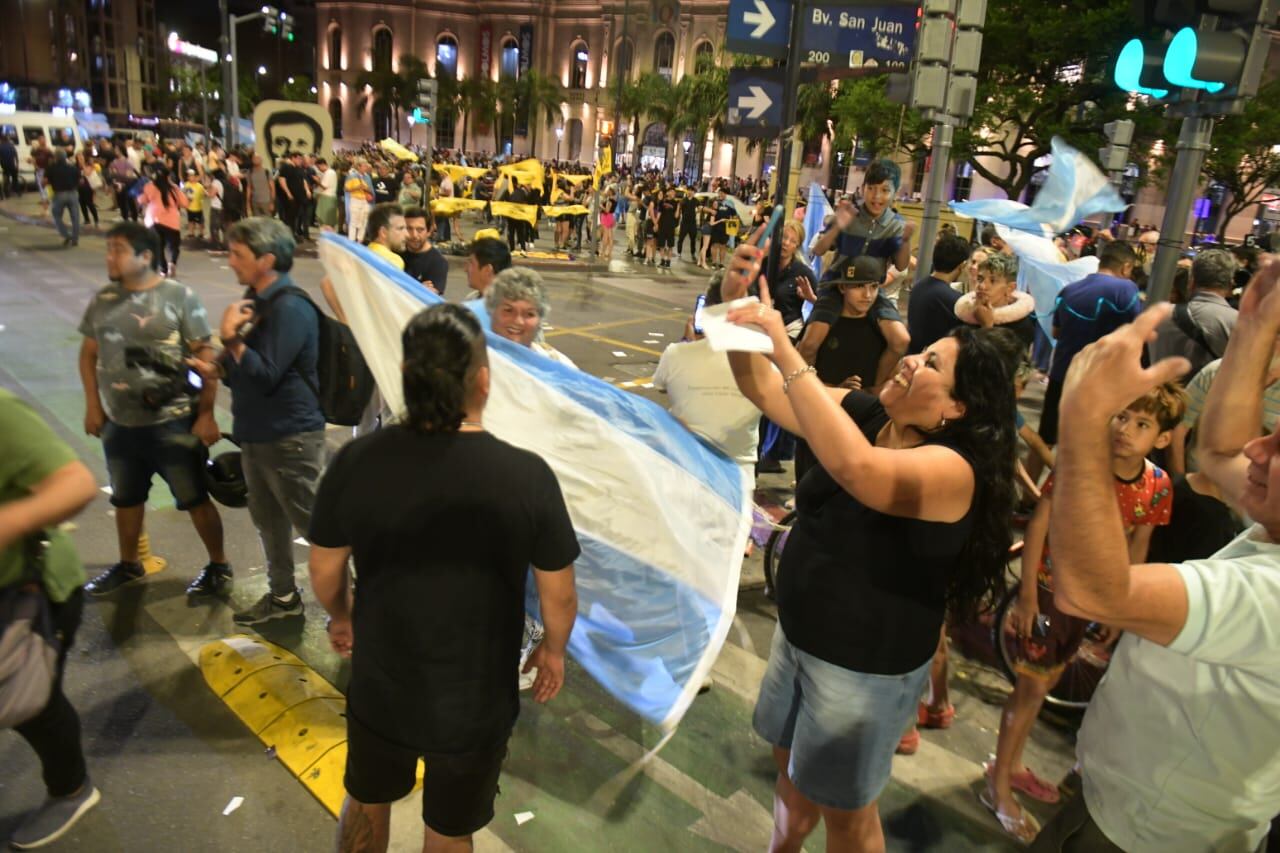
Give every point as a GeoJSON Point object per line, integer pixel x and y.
{"type": "Point", "coordinates": [160, 321]}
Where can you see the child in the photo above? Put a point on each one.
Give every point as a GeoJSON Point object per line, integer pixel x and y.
{"type": "Point", "coordinates": [1049, 637]}
{"type": "Point", "coordinates": [213, 192]}
{"type": "Point", "coordinates": [195, 193]}
{"type": "Point", "coordinates": [633, 229]}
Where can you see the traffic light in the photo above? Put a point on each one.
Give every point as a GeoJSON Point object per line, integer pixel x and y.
{"type": "Point", "coordinates": [943, 70]}
{"type": "Point", "coordinates": [287, 22]}
{"type": "Point", "coordinates": [426, 109]}
{"type": "Point", "coordinates": [1115, 156]}
{"type": "Point", "coordinates": [1217, 47]}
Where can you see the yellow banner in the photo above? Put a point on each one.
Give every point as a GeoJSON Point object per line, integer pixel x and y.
{"type": "Point", "coordinates": [604, 166]}
{"type": "Point", "coordinates": [564, 209]}
{"type": "Point", "coordinates": [528, 172]}
{"type": "Point", "coordinates": [456, 173]}
{"type": "Point", "coordinates": [398, 150]}
{"type": "Point", "coordinates": [454, 206]}
{"type": "Point", "coordinates": [524, 212]}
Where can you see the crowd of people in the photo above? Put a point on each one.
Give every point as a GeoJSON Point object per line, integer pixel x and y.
{"type": "Point", "coordinates": [1151, 506]}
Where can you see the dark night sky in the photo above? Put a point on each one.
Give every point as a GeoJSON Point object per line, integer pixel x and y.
{"type": "Point", "coordinates": [197, 21]}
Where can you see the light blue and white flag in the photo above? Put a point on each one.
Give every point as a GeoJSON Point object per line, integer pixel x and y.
{"type": "Point", "coordinates": [662, 516]}
{"type": "Point", "coordinates": [816, 212]}
{"type": "Point", "coordinates": [1043, 273]}
{"type": "Point", "coordinates": [1074, 189]}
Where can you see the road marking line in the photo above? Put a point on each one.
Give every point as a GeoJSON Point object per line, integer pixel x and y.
{"type": "Point", "coordinates": [595, 327]}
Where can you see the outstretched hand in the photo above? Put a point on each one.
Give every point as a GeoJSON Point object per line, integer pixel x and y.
{"type": "Point", "coordinates": [1261, 299]}
{"type": "Point", "coordinates": [1108, 374]}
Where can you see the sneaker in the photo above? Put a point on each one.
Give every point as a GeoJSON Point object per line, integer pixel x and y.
{"type": "Point", "coordinates": [269, 607]}
{"type": "Point", "coordinates": [121, 574]}
{"type": "Point", "coordinates": [212, 580]}
{"type": "Point", "coordinates": [53, 819]}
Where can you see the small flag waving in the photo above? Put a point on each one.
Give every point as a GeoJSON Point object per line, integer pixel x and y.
{"type": "Point", "coordinates": [816, 212]}
{"type": "Point", "coordinates": [662, 517]}
{"type": "Point", "coordinates": [1074, 189]}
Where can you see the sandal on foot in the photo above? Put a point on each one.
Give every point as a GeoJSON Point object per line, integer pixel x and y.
{"type": "Point", "coordinates": [1024, 827]}
{"type": "Point", "coordinates": [932, 719]}
{"type": "Point", "coordinates": [909, 743]}
{"type": "Point", "coordinates": [1029, 783]}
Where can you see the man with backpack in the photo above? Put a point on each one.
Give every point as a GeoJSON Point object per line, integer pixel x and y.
{"type": "Point", "coordinates": [270, 363]}
{"type": "Point", "coordinates": [1199, 329]}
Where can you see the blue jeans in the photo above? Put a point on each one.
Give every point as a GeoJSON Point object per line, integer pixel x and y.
{"type": "Point", "coordinates": [67, 200]}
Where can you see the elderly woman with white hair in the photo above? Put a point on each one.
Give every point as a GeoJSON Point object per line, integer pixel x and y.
{"type": "Point", "coordinates": [517, 305]}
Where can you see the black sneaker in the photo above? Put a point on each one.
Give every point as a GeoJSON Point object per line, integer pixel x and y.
{"type": "Point", "coordinates": [212, 580]}
{"type": "Point", "coordinates": [269, 607]}
{"type": "Point", "coordinates": [121, 574]}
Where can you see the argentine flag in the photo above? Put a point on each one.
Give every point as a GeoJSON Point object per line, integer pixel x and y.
{"type": "Point", "coordinates": [816, 211]}
{"type": "Point", "coordinates": [1074, 190]}
{"type": "Point", "coordinates": [662, 517]}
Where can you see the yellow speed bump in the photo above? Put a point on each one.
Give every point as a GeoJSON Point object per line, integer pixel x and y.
{"type": "Point", "coordinates": [287, 705]}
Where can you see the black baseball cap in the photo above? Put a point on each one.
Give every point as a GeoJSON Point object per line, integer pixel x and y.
{"type": "Point", "coordinates": [863, 269]}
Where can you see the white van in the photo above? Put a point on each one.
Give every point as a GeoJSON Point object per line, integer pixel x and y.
{"type": "Point", "coordinates": [25, 127]}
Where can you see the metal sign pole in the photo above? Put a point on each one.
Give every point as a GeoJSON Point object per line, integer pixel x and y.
{"type": "Point", "coordinates": [939, 162]}
{"type": "Point", "coordinates": [1193, 143]}
{"type": "Point", "coordinates": [786, 139]}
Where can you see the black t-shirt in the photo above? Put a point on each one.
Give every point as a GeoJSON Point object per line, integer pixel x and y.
{"type": "Point", "coordinates": [786, 295]}
{"type": "Point", "coordinates": [689, 213]}
{"type": "Point", "coordinates": [63, 177]}
{"type": "Point", "coordinates": [859, 588]}
{"type": "Point", "coordinates": [427, 266]}
{"type": "Point", "coordinates": [1199, 526]}
{"type": "Point", "coordinates": [1024, 329]}
{"type": "Point", "coordinates": [443, 529]}
{"type": "Point", "coordinates": [852, 347]}
{"type": "Point", "coordinates": [667, 214]}
{"type": "Point", "coordinates": [931, 313]}
{"type": "Point", "coordinates": [385, 189]}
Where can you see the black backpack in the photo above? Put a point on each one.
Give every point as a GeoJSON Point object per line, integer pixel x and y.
{"type": "Point", "coordinates": [346, 384]}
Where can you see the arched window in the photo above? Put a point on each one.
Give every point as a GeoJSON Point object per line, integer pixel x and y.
{"type": "Point", "coordinates": [574, 126]}
{"type": "Point", "coordinates": [381, 120]}
{"type": "Point", "coordinates": [382, 49]}
{"type": "Point", "coordinates": [622, 60]}
{"type": "Point", "coordinates": [335, 48]}
{"type": "Point", "coordinates": [664, 54]}
{"type": "Point", "coordinates": [335, 114]}
{"type": "Point", "coordinates": [704, 57]}
{"type": "Point", "coordinates": [578, 66]}
{"type": "Point", "coordinates": [447, 57]}
{"type": "Point", "coordinates": [509, 62]}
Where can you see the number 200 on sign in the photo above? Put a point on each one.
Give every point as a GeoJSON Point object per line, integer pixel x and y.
{"type": "Point", "coordinates": [820, 56]}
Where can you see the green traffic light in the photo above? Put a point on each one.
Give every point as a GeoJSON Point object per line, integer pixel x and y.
{"type": "Point", "coordinates": [288, 37]}
{"type": "Point", "coordinates": [1129, 67]}
{"type": "Point", "coordinates": [1180, 61]}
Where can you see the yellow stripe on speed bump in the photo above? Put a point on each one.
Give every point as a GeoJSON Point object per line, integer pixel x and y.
{"type": "Point", "coordinates": [288, 706]}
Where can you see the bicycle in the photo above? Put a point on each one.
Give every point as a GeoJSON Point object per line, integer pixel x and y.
{"type": "Point", "coordinates": [772, 556]}
{"type": "Point", "coordinates": [1083, 672]}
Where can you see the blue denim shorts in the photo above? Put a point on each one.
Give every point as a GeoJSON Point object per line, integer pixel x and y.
{"type": "Point", "coordinates": [841, 726]}
{"type": "Point", "coordinates": [135, 454]}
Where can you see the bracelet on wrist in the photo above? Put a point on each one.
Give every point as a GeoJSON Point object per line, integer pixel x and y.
{"type": "Point", "coordinates": [791, 377]}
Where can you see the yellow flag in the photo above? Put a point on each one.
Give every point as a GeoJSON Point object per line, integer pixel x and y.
{"type": "Point", "coordinates": [564, 210]}
{"type": "Point", "coordinates": [524, 212]}
{"type": "Point", "coordinates": [604, 165]}
{"type": "Point", "coordinates": [453, 206]}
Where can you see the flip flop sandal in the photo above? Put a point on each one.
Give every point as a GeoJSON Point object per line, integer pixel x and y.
{"type": "Point", "coordinates": [909, 743]}
{"type": "Point", "coordinates": [1028, 783]}
{"type": "Point", "coordinates": [1024, 827]}
{"type": "Point", "coordinates": [932, 719]}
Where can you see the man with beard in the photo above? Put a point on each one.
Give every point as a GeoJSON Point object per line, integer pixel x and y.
{"type": "Point", "coordinates": [422, 260]}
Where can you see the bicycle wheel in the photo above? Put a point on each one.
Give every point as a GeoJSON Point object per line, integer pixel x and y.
{"type": "Point", "coordinates": [1082, 673]}
{"type": "Point", "coordinates": [773, 552]}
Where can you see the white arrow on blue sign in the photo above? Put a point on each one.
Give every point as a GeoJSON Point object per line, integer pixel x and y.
{"type": "Point", "coordinates": [755, 101]}
{"type": "Point", "coordinates": [759, 27]}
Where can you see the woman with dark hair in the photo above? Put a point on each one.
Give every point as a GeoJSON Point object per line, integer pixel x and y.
{"type": "Point", "coordinates": [163, 202]}
{"type": "Point", "coordinates": [905, 518]}
{"type": "Point", "coordinates": [440, 607]}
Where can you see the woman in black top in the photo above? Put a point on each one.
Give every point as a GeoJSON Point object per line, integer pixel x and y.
{"type": "Point", "coordinates": [906, 517]}
{"type": "Point", "coordinates": [996, 300]}
{"type": "Point", "coordinates": [785, 283]}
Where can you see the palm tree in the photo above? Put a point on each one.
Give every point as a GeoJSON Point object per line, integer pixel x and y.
{"type": "Point", "coordinates": [660, 103]}
{"type": "Point", "coordinates": [630, 103]}
{"type": "Point", "coordinates": [507, 102]}
{"type": "Point", "coordinates": [477, 98]}
{"type": "Point", "coordinates": [540, 95]}
{"type": "Point", "coordinates": [702, 98]}
{"type": "Point", "coordinates": [381, 86]}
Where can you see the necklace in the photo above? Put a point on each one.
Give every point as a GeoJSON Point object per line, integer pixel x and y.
{"type": "Point", "coordinates": [476, 424]}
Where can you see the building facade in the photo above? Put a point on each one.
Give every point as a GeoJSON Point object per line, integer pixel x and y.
{"type": "Point", "coordinates": [99, 55]}
{"type": "Point", "coordinates": [584, 47]}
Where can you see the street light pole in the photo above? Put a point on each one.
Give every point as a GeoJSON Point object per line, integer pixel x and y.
{"type": "Point", "coordinates": [233, 133]}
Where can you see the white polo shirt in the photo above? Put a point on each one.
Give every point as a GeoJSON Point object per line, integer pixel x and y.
{"type": "Point", "coordinates": [706, 399]}
{"type": "Point", "coordinates": [1180, 747]}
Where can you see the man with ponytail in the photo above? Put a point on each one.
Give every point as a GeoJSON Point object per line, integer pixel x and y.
{"type": "Point", "coordinates": [434, 631]}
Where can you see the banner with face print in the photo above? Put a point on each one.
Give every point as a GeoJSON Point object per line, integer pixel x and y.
{"type": "Point", "coordinates": [288, 127]}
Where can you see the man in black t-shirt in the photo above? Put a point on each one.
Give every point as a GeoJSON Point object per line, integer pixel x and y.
{"type": "Point", "coordinates": [422, 260]}
{"type": "Point", "coordinates": [688, 225]}
{"type": "Point", "coordinates": [435, 628]}
{"type": "Point", "coordinates": [386, 188]}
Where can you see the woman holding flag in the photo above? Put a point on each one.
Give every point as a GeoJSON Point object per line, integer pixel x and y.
{"type": "Point", "coordinates": [904, 519]}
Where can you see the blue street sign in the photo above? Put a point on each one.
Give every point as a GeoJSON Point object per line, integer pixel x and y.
{"type": "Point", "coordinates": [755, 101]}
{"type": "Point", "coordinates": [759, 27]}
{"type": "Point", "coordinates": [859, 38]}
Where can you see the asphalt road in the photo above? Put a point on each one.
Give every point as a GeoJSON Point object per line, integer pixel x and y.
{"type": "Point", "coordinates": [169, 756]}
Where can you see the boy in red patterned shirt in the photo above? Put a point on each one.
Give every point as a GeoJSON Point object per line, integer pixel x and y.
{"type": "Point", "coordinates": [1049, 638]}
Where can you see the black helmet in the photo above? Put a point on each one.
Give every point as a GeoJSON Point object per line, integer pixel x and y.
{"type": "Point", "coordinates": [224, 480]}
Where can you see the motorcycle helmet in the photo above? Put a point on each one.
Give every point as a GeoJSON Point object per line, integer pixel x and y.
{"type": "Point", "coordinates": [224, 479]}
